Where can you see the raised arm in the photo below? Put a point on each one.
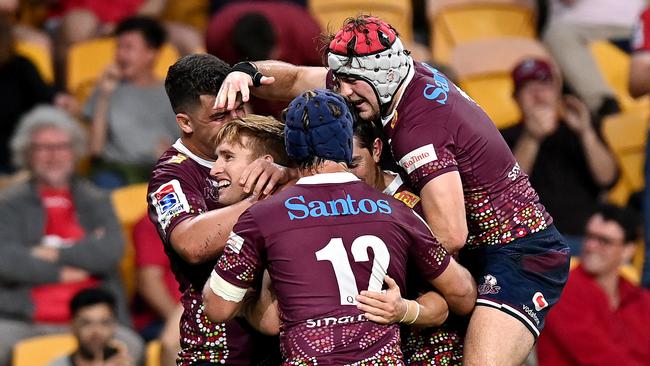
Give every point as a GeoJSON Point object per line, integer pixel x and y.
{"type": "Point", "coordinates": [281, 81]}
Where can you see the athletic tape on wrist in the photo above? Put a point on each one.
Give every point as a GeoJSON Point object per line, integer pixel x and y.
{"type": "Point", "coordinates": [406, 312]}
{"type": "Point", "coordinates": [417, 313]}
{"type": "Point", "coordinates": [250, 69]}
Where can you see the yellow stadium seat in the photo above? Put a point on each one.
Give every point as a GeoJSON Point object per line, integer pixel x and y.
{"type": "Point", "coordinates": [483, 69]}
{"type": "Point", "coordinates": [191, 12]}
{"type": "Point", "coordinates": [153, 353]}
{"type": "Point", "coordinates": [331, 13]}
{"type": "Point", "coordinates": [130, 204]}
{"type": "Point", "coordinates": [626, 135]}
{"type": "Point", "coordinates": [88, 60]}
{"type": "Point", "coordinates": [39, 56]}
{"type": "Point", "coordinates": [614, 64]}
{"type": "Point", "coordinates": [454, 22]}
{"type": "Point", "coordinates": [40, 351]}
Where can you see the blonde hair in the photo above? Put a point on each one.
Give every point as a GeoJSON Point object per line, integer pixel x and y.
{"type": "Point", "coordinates": [265, 133]}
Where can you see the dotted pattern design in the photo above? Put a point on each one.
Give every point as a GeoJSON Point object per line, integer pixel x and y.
{"type": "Point", "coordinates": [432, 347]}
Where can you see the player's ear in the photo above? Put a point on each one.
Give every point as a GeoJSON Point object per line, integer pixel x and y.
{"type": "Point", "coordinates": [377, 147]}
{"type": "Point", "coordinates": [268, 158]}
{"type": "Point", "coordinates": [183, 121]}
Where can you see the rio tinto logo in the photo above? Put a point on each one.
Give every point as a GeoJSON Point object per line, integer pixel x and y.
{"type": "Point", "coordinates": [418, 157]}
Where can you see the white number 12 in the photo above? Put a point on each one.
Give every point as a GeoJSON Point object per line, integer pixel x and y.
{"type": "Point", "coordinates": [334, 252]}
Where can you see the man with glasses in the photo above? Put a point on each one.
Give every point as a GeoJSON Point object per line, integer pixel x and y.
{"type": "Point", "coordinates": [602, 318]}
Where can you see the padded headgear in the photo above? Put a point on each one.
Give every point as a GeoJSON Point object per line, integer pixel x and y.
{"type": "Point", "coordinates": [318, 123]}
{"type": "Point", "coordinates": [368, 48]}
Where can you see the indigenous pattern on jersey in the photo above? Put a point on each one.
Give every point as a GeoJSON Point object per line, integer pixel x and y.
{"type": "Point", "coordinates": [641, 37]}
{"type": "Point", "coordinates": [322, 241]}
{"type": "Point", "coordinates": [434, 346]}
{"type": "Point", "coordinates": [436, 129]}
{"type": "Point", "coordinates": [180, 188]}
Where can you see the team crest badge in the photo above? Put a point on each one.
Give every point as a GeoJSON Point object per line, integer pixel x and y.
{"type": "Point", "coordinates": [489, 285]}
{"type": "Point", "coordinates": [177, 159]}
{"type": "Point", "coordinates": [169, 201]}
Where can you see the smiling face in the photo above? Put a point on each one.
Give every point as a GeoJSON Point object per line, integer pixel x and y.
{"type": "Point", "coordinates": [232, 159]}
{"type": "Point", "coordinates": [365, 163]}
{"type": "Point", "coordinates": [604, 248]}
{"type": "Point", "coordinates": [361, 96]}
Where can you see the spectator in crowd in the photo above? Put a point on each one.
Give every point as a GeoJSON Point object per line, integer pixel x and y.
{"type": "Point", "coordinates": [21, 88]}
{"type": "Point", "coordinates": [572, 26]}
{"type": "Point", "coordinates": [156, 307]}
{"type": "Point", "coordinates": [639, 84]}
{"type": "Point", "coordinates": [93, 325]}
{"type": "Point", "coordinates": [77, 21]}
{"type": "Point", "coordinates": [559, 147]}
{"type": "Point", "coordinates": [59, 234]}
{"type": "Point", "coordinates": [132, 122]}
{"type": "Point", "coordinates": [601, 319]}
{"type": "Point", "coordinates": [261, 30]}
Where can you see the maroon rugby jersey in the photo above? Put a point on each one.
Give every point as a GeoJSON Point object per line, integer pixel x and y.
{"type": "Point", "coordinates": [181, 187]}
{"type": "Point", "coordinates": [322, 241]}
{"type": "Point", "coordinates": [430, 346]}
{"type": "Point", "coordinates": [436, 128]}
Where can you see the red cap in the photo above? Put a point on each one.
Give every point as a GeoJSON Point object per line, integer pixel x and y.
{"type": "Point", "coordinates": [529, 70]}
{"type": "Point", "coordinates": [365, 35]}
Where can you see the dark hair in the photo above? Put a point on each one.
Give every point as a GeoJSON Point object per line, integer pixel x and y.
{"type": "Point", "coordinates": [253, 37]}
{"type": "Point", "coordinates": [7, 41]}
{"type": "Point", "coordinates": [152, 31]}
{"type": "Point", "coordinates": [628, 219]}
{"type": "Point", "coordinates": [89, 297]}
{"type": "Point", "coordinates": [192, 76]}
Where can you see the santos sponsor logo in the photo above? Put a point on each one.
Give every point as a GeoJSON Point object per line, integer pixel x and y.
{"type": "Point", "coordinates": [314, 323]}
{"type": "Point", "coordinates": [418, 157]}
{"type": "Point", "coordinates": [299, 209]}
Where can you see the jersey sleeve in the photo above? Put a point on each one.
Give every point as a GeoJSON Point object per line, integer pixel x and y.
{"type": "Point", "coordinates": [641, 36]}
{"type": "Point", "coordinates": [241, 261]}
{"type": "Point", "coordinates": [173, 197]}
{"type": "Point", "coordinates": [428, 255]}
{"type": "Point", "coordinates": [427, 149]}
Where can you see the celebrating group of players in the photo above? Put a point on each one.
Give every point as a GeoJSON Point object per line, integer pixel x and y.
{"type": "Point", "coordinates": [329, 261]}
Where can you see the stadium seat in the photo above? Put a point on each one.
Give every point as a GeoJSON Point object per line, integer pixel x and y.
{"type": "Point", "coordinates": [626, 134]}
{"type": "Point", "coordinates": [130, 204]}
{"type": "Point", "coordinates": [153, 353]}
{"type": "Point", "coordinates": [191, 12]}
{"type": "Point", "coordinates": [488, 82]}
{"type": "Point", "coordinates": [614, 64]}
{"type": "Point", "coordinates": [331, 13]}
{"type": "Point", "coordinates": [454, 22]}
{"type": "Point", "coordinates": [39, 56]}
{"type": "Point", "coordinates": [87, 61]}
{"type": "Point", "coordinates": [40, 351]}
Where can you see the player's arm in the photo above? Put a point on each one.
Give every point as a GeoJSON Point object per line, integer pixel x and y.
{"type": "Point", "coordinates": [444, 209]}
{"type": "Point", "coordinates": [428, 310]}
{"type": "Point", "coordinates": [281, 81]}
{"type": "Point", "coordinates": [202, 238]}
{"type": "Point", "coordinates": [262, 311]}
{"type": "Point", "coordinates": [222, 300]}
{"type": "Point", "coordinates": [639, 79]}
{"type": "Point", "coordinates": [457, 286]}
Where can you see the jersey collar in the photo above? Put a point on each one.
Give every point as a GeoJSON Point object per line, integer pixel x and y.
{"type": "Point", "coordinates": [328, 178]}
{"type": "Point", "coordinates": [394, 185]}
{"type": "Point", "coordinates": [178, 145]}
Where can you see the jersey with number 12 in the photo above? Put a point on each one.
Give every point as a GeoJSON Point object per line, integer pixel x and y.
{"type": "Point", "coordinates": [323, 241]}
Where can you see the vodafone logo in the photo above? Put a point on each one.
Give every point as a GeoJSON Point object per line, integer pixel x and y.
{"type": "Point", "coordinates": [539, 301]}
{"type": "Point", "coordinates": [418, 157]}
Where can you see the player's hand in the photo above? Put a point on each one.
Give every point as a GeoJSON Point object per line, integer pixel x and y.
{"type": "Point", "coordinates": [236, 82]}
{"type": "Point", "coordinates": [262, 177]}
{"type": "Point", "coordinates": [383, 307]}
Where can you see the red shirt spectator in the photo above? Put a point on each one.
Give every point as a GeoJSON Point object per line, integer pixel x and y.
{"type": "Point", "coordinates": [583, 329]}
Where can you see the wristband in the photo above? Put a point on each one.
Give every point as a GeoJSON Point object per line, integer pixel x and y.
{"type": "Point", "coordinates": [249, 69]}
{"type": "Point", "coordinates": [417, 313]}
{"type": "Point", "coordinates": [406, 312]}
